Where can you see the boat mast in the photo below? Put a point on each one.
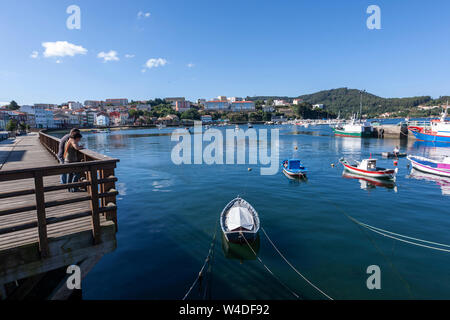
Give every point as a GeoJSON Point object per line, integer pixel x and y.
{"type": "Point", "coordinates": [360, 105]}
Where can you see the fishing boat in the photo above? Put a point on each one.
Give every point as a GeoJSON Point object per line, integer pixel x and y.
{"type": "Point", "coordinates": [437, 131]}
{"type": "Point", "coordinates": [439, 167]}
{"type": "Point", "coordinates": [239, 221]}
{"type": "Point", "coordinates": [293, 168]}
{"type": "Point", "coordinates": [355, 128]}
{"type": "Point", "coordinates": [249, 125]}
{"type": "Point", "coordinates": [161, 126]}
{"type": "Point", "coordinates": [368, 168]}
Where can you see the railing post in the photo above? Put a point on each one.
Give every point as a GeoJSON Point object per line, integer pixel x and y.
{"type": "Point", "coordinates": [93, 190]}
{"type": "Point", "coordinates": [40, 209]}
{"type": "Point", "coordinates": [110, 215]}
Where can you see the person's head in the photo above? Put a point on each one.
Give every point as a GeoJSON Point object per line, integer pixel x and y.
{"type": "Point", "coordinates": [76, 136]}
{"type": "Point", "coordinates": [74, 130]}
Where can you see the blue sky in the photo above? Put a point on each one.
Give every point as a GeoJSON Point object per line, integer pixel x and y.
{"type": "Point", "coordinates": [208, 48]}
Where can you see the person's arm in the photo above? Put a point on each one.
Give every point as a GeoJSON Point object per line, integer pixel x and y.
{"type": "Point", "coordinates": [75, 145]}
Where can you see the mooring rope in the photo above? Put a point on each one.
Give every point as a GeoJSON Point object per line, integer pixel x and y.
{"type": "Point", "coordinates": [397, 236]}
{"type": "Point", "coordinates": [270, 271]}
{"type": "Point", "coordinates": [293, 268]}
{"type": "Point", "coordinates": [207, 260]}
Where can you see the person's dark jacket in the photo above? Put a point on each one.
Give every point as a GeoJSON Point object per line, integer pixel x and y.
{"type": "Point", "coordinates": [62, 143]}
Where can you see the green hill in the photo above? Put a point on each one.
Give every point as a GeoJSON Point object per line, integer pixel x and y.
{"type": "Point", "coordinates": [347, 101]}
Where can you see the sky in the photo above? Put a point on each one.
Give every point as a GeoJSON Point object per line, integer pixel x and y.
{"type": "Point", "coordinates": [205, 48]}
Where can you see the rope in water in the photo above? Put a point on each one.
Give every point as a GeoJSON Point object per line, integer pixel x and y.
{"type": "Point", "coordinates": [207, 259]}
{"type": "Point", "coordinates": [293, 268]}
{"type": "Point", "coordinates": [397, 236]}
{"type": "Point", "coordinates": [270, 271]}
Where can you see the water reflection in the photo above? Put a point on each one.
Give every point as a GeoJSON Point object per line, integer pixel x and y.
{"type": "Point", "coordinates": [240, 251]}
{"type": "Point", "coordinates": [368, 183]}
{"type": "Point", "coordinates": [443, 182]}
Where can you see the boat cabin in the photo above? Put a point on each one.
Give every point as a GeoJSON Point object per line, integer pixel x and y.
{"type": "Point", "coordinates": [293, 164]}
{"type": "Point", "coordinates": [368, 164]}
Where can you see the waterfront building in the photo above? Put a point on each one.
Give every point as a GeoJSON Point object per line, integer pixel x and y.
{"type": "Point", "coordinates": [4, 118]}
{"type": "Point", "coordinates": [297, 101]}
{"type": "Point", "coordinates": [43, 116]}
{"type": "Point", "coordinates": [114, 118]}
{"type": "Point", "coordinates": [201, 101]}
{"type": "Point", "coordinates": [242, 106]}
{"type": "Point", "coordinates": [318, 106]}
{"type": "Point", "coordinates": [102, 119]}
{"type": "Point", "coordinates": [222, 98]}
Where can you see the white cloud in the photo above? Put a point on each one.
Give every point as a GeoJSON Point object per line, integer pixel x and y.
{"type": "Point", "coordinates": [58, 61]}
{"type": "Point", "coordinates": [62, 49]}
{"type": "Point", "coordinates": [34, 55]}
{"type": "Point", "coordinates": [129, 56]}
{"type": "Point", "coordinates": [190, 65]}
{"type": "Point", "coordinates": [154, 63]}
{"type": "Point", "coordinates": [142, 14]}
{"type": "Point", "coordinates": [108, 56]}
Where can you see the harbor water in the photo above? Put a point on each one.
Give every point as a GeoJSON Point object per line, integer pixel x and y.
{"type": "Point", "coordinates": [168, 215]}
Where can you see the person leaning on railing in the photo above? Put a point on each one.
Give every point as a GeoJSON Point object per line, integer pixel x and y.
{"type": "Point", "coordinates": [60, 155]}
{"type": "Point", "coordinates": [71, 156]}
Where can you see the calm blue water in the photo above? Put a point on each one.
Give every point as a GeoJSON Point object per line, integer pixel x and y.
{"type": "Point", "coordinates": [168, 213]}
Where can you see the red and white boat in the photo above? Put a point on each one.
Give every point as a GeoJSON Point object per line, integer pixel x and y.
{"type": "Point", "coordinates": [368, 168]}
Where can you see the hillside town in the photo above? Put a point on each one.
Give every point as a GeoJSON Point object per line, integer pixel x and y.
{"type": "Point", "coordinates": [122, 112]}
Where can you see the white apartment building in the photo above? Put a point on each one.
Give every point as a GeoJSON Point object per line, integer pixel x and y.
{"type": "Point", "coordinates": [318, 106]}
{"type": "Point", "coordinates": [43, 117]}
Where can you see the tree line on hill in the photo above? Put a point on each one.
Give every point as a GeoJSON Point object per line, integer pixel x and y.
{"type": "Point", "coordinates": [347, 101]}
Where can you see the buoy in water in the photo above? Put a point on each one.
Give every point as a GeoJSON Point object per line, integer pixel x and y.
{"type": "Point", "coordinates": [332, 165]}
{"type": "Point", "coordinates": [395, 162]}
{"type": "Point", "coordinates": [296, 148]}
{"type": "Point", "coordinates": [249, 169]}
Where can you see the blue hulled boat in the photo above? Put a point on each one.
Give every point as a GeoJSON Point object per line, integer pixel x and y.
{"type": "Point", "coordinates": [437, 131]}
{"type": "Point", "coordinates": [294, 168]}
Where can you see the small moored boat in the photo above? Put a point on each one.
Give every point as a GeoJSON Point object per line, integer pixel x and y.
{"type": "Point", "coordinates": [368, 167]}
{"type": "Point", "coordinates": [294, 168]}
{"type": "Point", "coordinates": [438, 167]}
{"type": "Point", "coordinates": [393, 155]}
{"type": "Point", "coordinates": [239, 221]}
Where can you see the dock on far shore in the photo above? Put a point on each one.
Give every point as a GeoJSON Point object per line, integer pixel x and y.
{"type": "Point", "coordinates": [44, 227]}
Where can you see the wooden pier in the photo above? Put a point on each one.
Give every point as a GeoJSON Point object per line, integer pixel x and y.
{"type": "Point", "coordinates": [44, 227]}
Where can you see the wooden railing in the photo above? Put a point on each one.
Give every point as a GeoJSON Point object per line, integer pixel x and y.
{"type": "Point", "coordinates": [97, 172]}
